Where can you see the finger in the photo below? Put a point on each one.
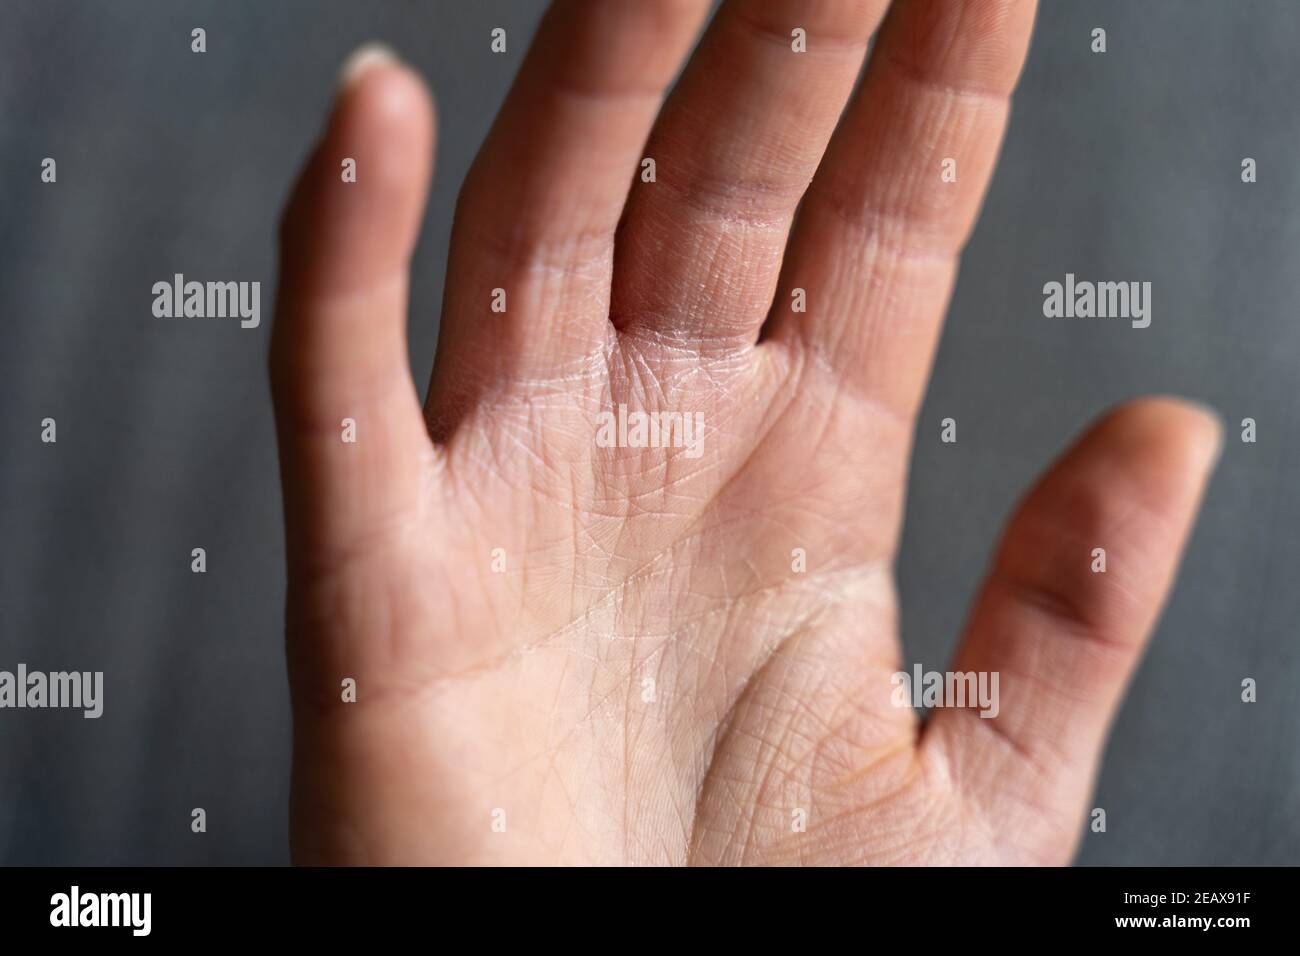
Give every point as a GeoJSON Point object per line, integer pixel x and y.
{"type": "Point", "coordinates": [538, 212]}
{"type": "Point", "coordinates": [338, 350]}
{"type": "Point", "coordinates": [1062, 634]}
{"type": "Point", "coordinates": [735, 147]}
{"type": "Point", "coordinates": [875, 249]}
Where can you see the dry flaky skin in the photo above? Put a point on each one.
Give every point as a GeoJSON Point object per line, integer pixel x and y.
{"type": "Point", "coordinates": [650, 680]}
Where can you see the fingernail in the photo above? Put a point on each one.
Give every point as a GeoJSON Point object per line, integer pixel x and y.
{"type": "Point", "coordinates": [364, 59]}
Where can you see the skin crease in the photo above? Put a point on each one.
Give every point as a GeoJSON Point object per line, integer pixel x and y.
{"type": "Point", "coordinates": [650, 680]}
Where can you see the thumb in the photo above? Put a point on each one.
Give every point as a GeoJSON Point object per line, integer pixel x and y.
{"type": "Point", "coordinates": [1062, 634]}
{"type": "Point", "coordinates": [351, 433]}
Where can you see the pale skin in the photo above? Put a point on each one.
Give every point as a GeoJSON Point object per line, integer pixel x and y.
{"type": "Point", "coordinates": [571, 654]}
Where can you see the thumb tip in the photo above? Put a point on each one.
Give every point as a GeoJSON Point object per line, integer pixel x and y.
{"type": "Point", "coordinates": [1183, 425]}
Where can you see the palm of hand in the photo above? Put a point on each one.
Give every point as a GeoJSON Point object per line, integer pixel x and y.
{"type": "Point", "coordinates": [569, 652]}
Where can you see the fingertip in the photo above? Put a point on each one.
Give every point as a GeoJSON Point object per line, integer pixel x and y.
{"type": "Point", "coordinates": [384, 90]}
{"type": "Point", "coordinates": [364, 58]}
{"type": "Point", "coordinates": [347, 236]}
{"type": "Point", "coordinates": [354, 215]}
{"type": "Point", "coordinates": [1131, 483]}
{"type": "Point", "coordinates": [1200, 423]}
{"type": "Point", "coordinates": [1179, 435]}
{"type": "Point", "coordinates": [382, 101]}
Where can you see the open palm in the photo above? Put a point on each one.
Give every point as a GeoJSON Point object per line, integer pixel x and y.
{"type": "Point", "coordinates": [523, 630]}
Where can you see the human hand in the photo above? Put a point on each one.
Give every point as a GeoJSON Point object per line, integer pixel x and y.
{"type": "Point", "coordinates": [565, 652]}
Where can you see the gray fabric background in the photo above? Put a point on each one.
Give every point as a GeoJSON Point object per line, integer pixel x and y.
{"type": "Point", "coordinates": [1122, 166]}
